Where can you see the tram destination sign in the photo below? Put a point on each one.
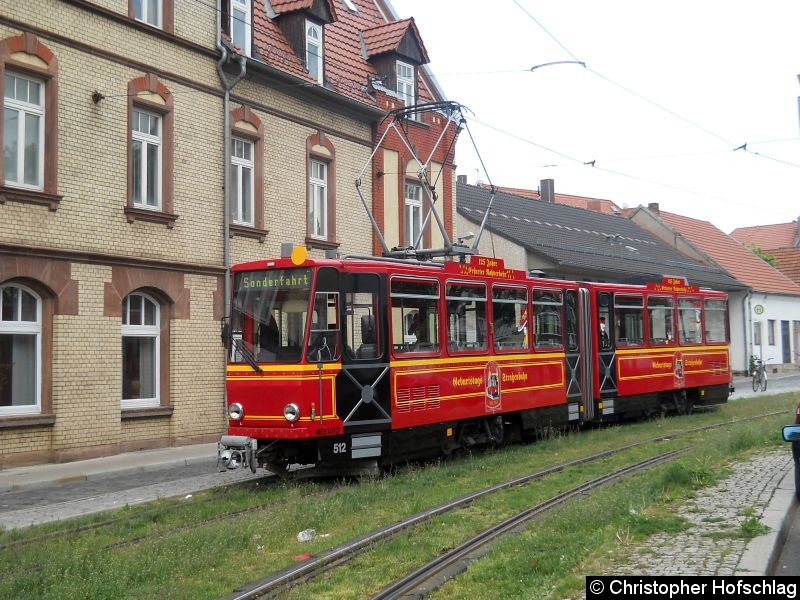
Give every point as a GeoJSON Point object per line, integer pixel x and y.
{"type": "Point", "coordinates": [483, 266]}
{"type": "Point", "coordinates": [279, 279]}
{"type": "Point", "coordinates": [673, 284]}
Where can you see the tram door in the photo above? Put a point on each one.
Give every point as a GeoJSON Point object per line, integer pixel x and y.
{"type": "Point", "coordinates": [606, 355]}
{"type": "Point", "coordinates": [572, 325]}
{"type": "Point", "coordinates": [362, 387]}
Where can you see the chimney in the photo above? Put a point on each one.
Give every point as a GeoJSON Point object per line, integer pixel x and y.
{"type": "Point", "coordinates": [461, 179]}
{"type": "Point", "coordinates": [797, 236]}
{"type": "Point", "coordinates": [546, 191]}
{"type": "Point", "coordinates": [653, 208]}
{"type": "Point", "coordinates": [595, 205]}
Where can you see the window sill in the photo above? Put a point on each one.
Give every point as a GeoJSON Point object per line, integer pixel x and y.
{"type": "Point", "coordinates": [153, 216]}
{"type": "Point", "coordinates": [27, 421]}
{"type": "Point", "coordinates": [51, 201]}
{"type": "Point", "coordinates": [249, 232]}
{"type": "Point", "coordinates": [146, 413]}
{"type": "Point", "coordinates": [321, 244]}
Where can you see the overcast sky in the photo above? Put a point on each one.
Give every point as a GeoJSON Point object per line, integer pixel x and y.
{"type": "Point", "coordinates": [722, 72]}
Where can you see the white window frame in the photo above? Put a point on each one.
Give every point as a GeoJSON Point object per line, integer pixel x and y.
{"type": "Point", "coordinates": [146, 17]}
{"type": "Point", "coordinates": [242, 167]}
{"type": "Point", "coordinates": [405, 83]}
{"type": "Point", "coordinates": [19, 327]}
{"type": "Point", "coordinates": [148, 331]}
{"type": "Point", "coordinates": [315, 43]}
{"type": "Point", "coordinates": [318, 199]}
{"type": "Point", "coordinates": [26, 108]}
{"type": "Point", "coordinates": [412, 205]}
{"type": "Point", "coordinates": [245, 7]}
{"type": "Point", "coordinates": [146, 140]}
{"type": "Point", "coordinates": [350, 6]}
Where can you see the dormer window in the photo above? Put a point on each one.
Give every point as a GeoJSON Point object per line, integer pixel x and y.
{"type": "Point", "coordinates": [241, 24]}
{"type": "Point", "coordinates": [314, 50]}
{"type": "Point", "coordinates": [405, 83]}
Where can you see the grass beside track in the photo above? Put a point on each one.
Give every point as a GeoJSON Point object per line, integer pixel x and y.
{"type": "Point", "coordinates": [210, 559]}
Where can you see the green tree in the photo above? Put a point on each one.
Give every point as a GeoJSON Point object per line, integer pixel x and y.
{"type": "Point", "coordinates": [768, 258]}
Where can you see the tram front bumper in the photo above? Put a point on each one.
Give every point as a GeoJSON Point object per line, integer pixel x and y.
{"type": "Point", "coordinates": [234, 451]}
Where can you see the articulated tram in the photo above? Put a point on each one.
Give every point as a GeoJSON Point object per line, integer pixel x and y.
{"type": "Point", "coordinates": [361, 362]}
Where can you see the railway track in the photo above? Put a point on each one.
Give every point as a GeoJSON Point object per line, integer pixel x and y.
{"type": "Point", "coordinates": [434, 573]}
{"type": "Point", "coordinates": [280, 581]}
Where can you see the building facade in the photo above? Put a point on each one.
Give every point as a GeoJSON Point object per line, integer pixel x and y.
{"type": "Point", "coordinates": [131, 180]}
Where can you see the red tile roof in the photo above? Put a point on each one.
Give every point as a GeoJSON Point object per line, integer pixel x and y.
{"type": "Point", "coordinates": [284, 6]}
{"type": "Point", "coordinates": [788, 260]}
{"type": "Point", "coordinates": [781, 235]}
{"type": "Point", "coordinates": [387, 37]}
{"type": "Point", "coordinates": [731, 255]}
{"type": "Point", "coordinates": [596, 204]}
{"type": "Point", "coordinates": [346, 70]}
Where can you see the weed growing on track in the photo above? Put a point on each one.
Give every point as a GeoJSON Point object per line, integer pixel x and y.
{"type": "Point", "coordinates": [170, 550]}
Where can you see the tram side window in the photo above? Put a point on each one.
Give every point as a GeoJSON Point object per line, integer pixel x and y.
{"type": "Point", "coordinates": [324, 335]}
{"type": "Point", "coordinates": [510, 318]}
{"type": "Point", "coordinates": [690, 320]}
{"type": "Point", "coordinates": [661, 315]}
{"type": "Point", "coordinates": [547, 317]}
{"type": "Point", "coordinates": [628, 321]}
{"type": "Point", "coordinates": [415, 309]}
{"type": "Point", "coordinates": [716, 321]}
{"type": "Point", "coordinates": [362, 341]}
{"type": "Point", "coordinates": [604, 333]}
{"type": "Point", "coordinates": [466, 317]}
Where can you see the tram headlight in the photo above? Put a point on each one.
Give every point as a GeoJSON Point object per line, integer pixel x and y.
{"type": "Point", "coordinates": [291, 412]}
{"type": "Point", "coordinates": [236, 411]}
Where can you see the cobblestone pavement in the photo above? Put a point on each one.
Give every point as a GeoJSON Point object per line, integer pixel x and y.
{"type": "Point", "coordinates": [713, 545]}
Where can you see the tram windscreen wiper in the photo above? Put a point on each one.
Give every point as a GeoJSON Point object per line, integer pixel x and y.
{"type": "Point", "coordinates": [246, 354]}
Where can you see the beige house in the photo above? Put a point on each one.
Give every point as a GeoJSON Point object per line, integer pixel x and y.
{"type": "Point", "coordinates": [117, 149]}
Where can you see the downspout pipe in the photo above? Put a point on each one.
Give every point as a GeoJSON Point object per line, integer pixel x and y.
{"type": "Point", "coordinates": [227, 86]}
{"type": "Point", "coordinates": [748, 322]}
{"type": "Point", "coordinates": [225, 56]}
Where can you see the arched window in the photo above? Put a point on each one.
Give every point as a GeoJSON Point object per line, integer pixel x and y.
{"type": "Point", "coordinates": [321, 192]}
{"type": "Point", "coordinates": [150, 152]}
{"type": "Point", "coordinates": [141, 333]}
{"type": "Point", "coordinates": [20, 350]}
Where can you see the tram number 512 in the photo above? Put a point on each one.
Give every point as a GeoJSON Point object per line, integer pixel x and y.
{"type": "Point", "coordinates": [340, 448]}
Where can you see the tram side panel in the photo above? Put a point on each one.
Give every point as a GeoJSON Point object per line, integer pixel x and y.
{"type": "Point", "coordinates": [658, 348]}
{"type": "Point", "coordinates": [430, 391]}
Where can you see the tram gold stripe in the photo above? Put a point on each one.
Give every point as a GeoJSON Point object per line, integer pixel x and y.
{"type": "Point", "coordinates": [667, 349]}
{"type": "Point", "coordinates": [285, 367]}
{"type": "Point", "coordinates": [281, 378]}
{"type": "Point", "coordinates": [472, 368]}
{"type": "Point", "coordinates": [281, 418]}
{"type": "Point", "coordinates": [434, 360]}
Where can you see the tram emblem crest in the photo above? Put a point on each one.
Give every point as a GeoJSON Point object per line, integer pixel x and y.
{"type": "Point", "coordinates": [679, 375]}
{"type": "Point", "coordinates": [491, 380]}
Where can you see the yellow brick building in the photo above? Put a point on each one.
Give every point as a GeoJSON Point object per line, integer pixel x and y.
{"type": "Point", "coordinates": [112, 207]}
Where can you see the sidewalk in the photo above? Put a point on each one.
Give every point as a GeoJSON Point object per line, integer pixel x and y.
{"type": "Point", "coordinates": [760, 490]}
{"type": "Point", "coordinates": [47, 475]}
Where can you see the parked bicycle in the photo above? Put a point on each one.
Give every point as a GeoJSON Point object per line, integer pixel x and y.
{"type": "Point", "coordinates": [760, 376]}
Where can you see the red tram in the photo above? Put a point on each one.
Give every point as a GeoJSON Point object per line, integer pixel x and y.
{"type": "Point", "coordinates": [353, 362]}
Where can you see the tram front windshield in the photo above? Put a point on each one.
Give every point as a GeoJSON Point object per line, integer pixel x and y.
{"type": "Point", "coordinates": [268, 316]}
